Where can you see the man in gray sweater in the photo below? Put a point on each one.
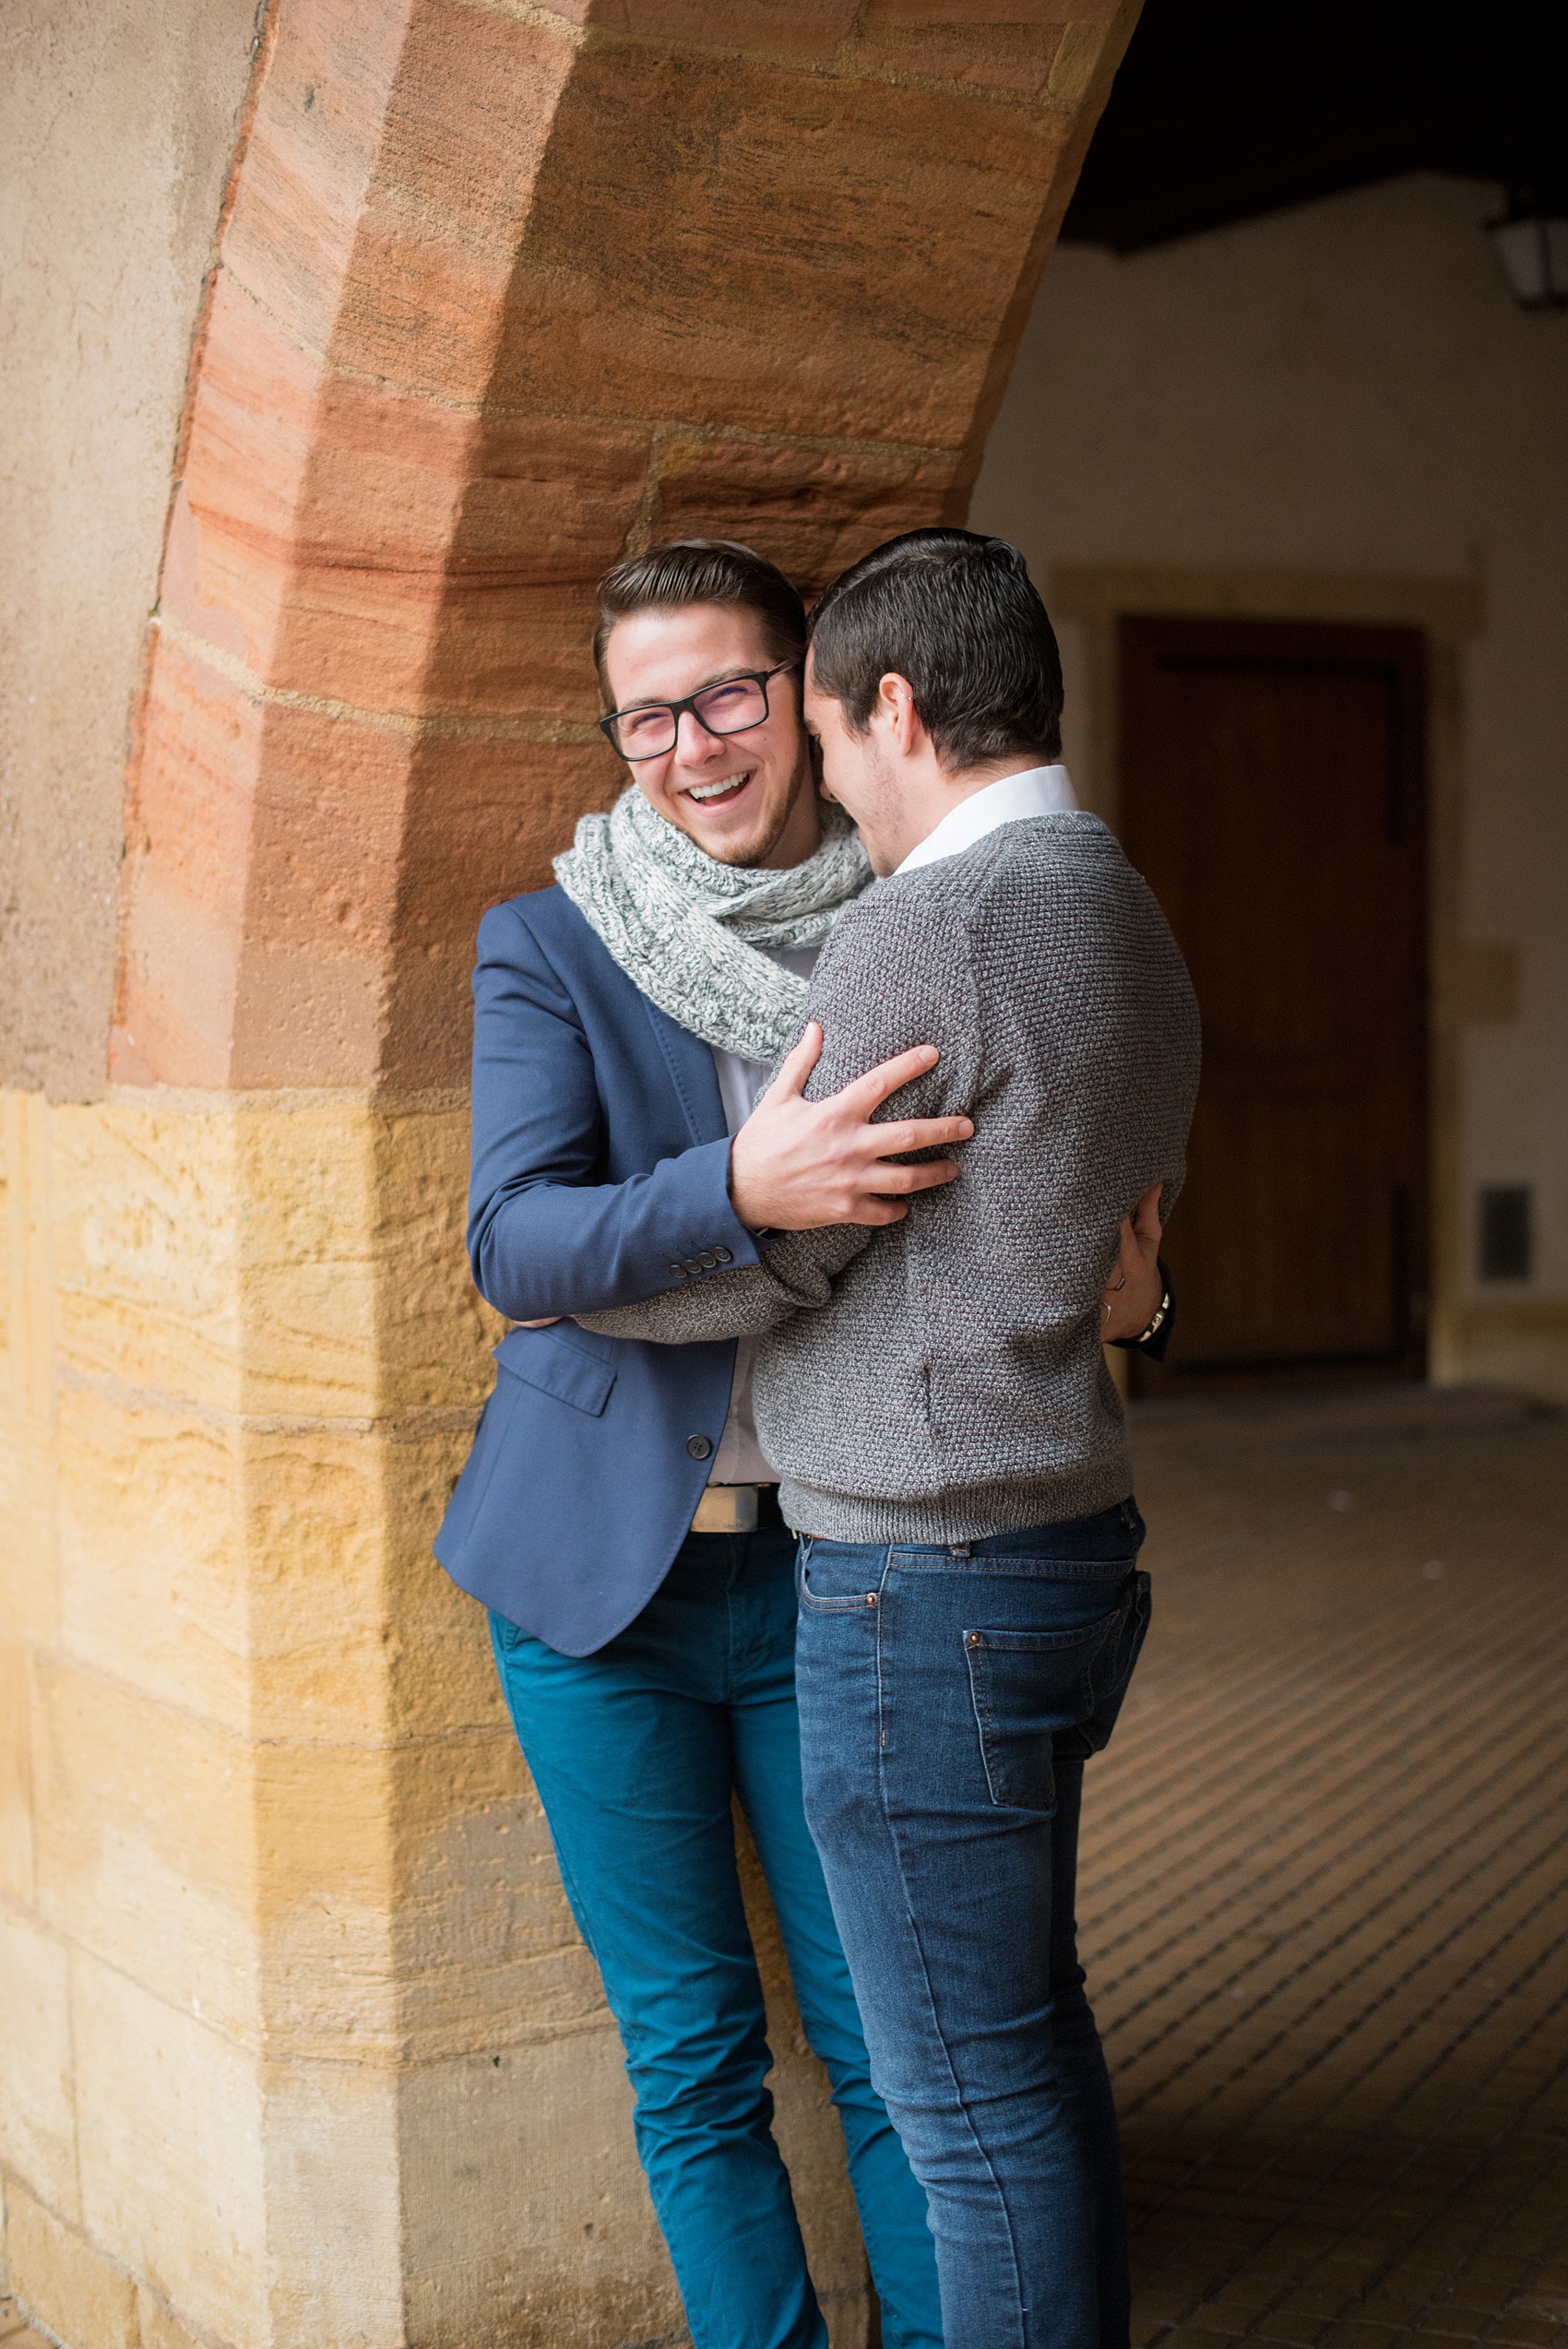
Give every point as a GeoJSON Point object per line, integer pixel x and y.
{"type": "Point", "coordinates": [934, 1396]}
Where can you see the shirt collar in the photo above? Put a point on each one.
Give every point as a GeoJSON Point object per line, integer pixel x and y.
{"type": "Point", "coordinates": [1038, 791]}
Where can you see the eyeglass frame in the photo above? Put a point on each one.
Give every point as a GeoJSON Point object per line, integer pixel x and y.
{"type": "Point", "coordinates": [678, 709]}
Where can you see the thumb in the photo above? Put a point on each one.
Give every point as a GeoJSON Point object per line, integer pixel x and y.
{"type": "Point", "coordinates": [796, 1066]}
{"type": "Point", "coordinates": [1146, 1215]}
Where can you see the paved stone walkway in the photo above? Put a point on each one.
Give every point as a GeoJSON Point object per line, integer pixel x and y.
{"type": "Point", "coordinates": [1325, 1904]}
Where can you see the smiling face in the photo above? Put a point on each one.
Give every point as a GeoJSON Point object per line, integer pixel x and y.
{"type": "Point", "coordinates": [745, 799]}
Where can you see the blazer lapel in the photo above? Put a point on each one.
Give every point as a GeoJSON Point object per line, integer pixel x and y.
{"type": "Point", "coordinates": [691, 1072]}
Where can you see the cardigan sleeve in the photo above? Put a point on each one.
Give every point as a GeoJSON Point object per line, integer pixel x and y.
{"type": "Point", "coordinates": [894, 973]}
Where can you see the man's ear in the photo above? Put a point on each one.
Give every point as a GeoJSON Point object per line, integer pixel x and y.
{"type": "Point", "coordinates": [895, 706]}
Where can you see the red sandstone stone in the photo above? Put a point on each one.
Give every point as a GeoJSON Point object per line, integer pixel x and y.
{"type": "Point", "coordinates": [312, 143]}
{"type": "Point", "coordinates": [714, 242]}
{"type": "Point", "coordinates": [811, 511]}
{"type": "Point", "coordinates": [482, 821]}
{"type": "Point", "coordinates": [183, 880]}
{"type": "Point", "coordinates": [972, 15]}
{"type": "Point", "coordinates": [301, 892]}
{"type": "Point", "coordinates": [761, 28]}
{"type": "Point", "coordinates": [472, 115]}
{"type": "Point", "coordinates": [342, 539]}
{"type": "Point", "coordinates": [474, 260]}
{"type": "Point", "coordinates": [259, 888]}
{"type": "Point", "coordinates": [898, 37]}
{"type": "Point", "coordinates": [361, 945]}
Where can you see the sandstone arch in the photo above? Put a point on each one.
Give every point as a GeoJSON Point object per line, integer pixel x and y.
{"type": "Point", "coordinates": [501, 291]}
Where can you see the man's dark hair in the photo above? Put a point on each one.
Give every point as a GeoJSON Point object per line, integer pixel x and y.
{"type": "Point", "coordinates": [702, 571]}
{"type": "Point", "coordinates": [959, 617]}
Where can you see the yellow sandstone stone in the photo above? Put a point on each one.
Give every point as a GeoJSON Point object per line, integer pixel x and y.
{"type": "Point", "coordinates": [82, 2296]}
{"type": "Point", "coordinates": [38, 2129]}
{"type": "Point", "coordinates": [294, 1255]}
{"type": "Point", "coordinates": [293, 1987]}
{"type": "Point", "coordinates": [171, 2119]}
{"type": "Point", "coordinates": [16, 1772]}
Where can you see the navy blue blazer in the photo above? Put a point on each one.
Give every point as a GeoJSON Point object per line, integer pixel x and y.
{"type": "Point", "coordinates": [600, 1176]}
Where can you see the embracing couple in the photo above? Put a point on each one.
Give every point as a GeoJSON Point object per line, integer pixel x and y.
{"type": "Point", "coordinates": [824, 1118]}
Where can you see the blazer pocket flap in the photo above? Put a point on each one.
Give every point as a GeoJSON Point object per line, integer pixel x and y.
{"type": "Point", "coordinates": [558, 1366]}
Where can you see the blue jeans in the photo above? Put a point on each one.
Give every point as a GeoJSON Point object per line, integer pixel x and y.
{"type": "Point", "coordinates": [949, 1698]}
{"type": "Point", "coordinates": [636, 1752]}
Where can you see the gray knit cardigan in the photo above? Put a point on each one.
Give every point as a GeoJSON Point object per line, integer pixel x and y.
{"type": "Point", "coordinates": [942, 1379]}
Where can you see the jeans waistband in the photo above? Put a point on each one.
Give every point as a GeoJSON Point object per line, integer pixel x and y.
{"type": "Point", "coordinates": [1109, 1536]}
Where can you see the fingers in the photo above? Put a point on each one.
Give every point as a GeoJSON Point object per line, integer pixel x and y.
{"type": "Point", "coordinates": [870, 1091]}
{"type": "Point", "coordinates": [927, 1176]}
{"type": "Point", "coordinates": [888, 1203]}
{"type": "Point", "coordinates": [796, 1066]}
{"type": "Point", "coordinates": [1146, 1215]}
{"type": "Point", "coordinates": [879, 1211]}
{"type": "Point", "coordinates": [920, 1133]}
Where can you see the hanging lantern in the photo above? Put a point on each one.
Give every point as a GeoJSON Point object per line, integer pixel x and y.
{"type": "Point", "coordinates": [1531, 245]}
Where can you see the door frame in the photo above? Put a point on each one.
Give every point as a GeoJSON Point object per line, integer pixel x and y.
{"type": "Point", "coordinates": [1465, 981]}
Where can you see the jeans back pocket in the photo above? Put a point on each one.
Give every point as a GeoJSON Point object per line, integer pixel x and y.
{"type": "Point", "coordinates": [1041, 1694]}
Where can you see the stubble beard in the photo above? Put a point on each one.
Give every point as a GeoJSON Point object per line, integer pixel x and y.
{"type": "Point", "coordinates": [758, 851]}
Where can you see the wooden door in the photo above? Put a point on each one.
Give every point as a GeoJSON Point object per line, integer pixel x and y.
{"type": "Point", "coordinates": [1272, 794]}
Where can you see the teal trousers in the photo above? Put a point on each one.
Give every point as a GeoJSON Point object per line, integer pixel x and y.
{"type": "Point", "coordinates": [636, 1752]}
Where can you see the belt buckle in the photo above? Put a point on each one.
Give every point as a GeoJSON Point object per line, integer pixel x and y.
{"type": "Point", "coordinates": [726, 1509]}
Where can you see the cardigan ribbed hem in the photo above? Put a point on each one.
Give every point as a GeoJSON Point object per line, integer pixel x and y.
{"type": "Point", "coordinates": [971, 1514]}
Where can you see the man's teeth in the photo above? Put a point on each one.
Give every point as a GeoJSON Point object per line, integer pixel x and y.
{"type": "Point", "coordinates": [712, 790]}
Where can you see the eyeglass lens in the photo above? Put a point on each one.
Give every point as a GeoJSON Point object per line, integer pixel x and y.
{"type": "Point", "coordinates": [725, 709]}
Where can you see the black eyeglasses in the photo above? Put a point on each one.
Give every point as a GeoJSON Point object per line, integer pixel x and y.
{"type": "Point", "coordinates": [649, 728]}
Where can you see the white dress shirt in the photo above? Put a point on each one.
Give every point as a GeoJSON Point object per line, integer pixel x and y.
{"type": "Point", "coordinates": [1038, 791]}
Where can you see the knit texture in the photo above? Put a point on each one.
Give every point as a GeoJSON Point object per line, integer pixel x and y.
{"type": "Point", "coordinates": [684, 927]}
{"type": "Point", "coordinates": [942, 1379]}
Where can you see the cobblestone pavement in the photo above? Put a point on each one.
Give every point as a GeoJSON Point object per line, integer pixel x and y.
{"type": "Point", "coordinates": [1325, 1905]}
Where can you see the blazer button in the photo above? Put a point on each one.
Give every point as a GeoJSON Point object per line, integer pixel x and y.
{"type": "Point", "coordinates": [677, 1272]}
{"type": "Point", "coordinates": [699, 1446]}
{"type": "Point", "coordinates": [722, 1256]}
{"type": "Point", "coordinates": [708, 1260]}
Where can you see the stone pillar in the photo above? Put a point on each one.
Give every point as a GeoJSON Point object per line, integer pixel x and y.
{"type": "Point", "coordinates": [503, 291]}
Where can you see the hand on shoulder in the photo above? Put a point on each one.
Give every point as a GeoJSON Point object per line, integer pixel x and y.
{"type": "Point", "coordinates": [796, 1165]}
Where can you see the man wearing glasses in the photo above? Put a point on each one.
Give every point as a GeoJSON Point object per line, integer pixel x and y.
{"type": "Point", "coordinates": [617, 1515]}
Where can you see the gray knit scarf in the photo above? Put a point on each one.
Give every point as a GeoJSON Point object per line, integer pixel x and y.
{"type": "Point", "coordinates": [684, 929]}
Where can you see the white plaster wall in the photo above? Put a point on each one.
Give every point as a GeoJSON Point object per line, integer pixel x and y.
{"type": "Point", "coordinates": [1347, 387]}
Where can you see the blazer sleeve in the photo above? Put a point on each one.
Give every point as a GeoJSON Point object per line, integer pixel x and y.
{"type": "Point", "coordinates": [546, 1234]}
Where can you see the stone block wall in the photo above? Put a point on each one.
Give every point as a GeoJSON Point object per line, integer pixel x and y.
{"type": "Point", "coordinates": [298, 2043]}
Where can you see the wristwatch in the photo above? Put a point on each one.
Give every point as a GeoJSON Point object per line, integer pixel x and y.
{"type": "Point", "coordinates": [1158, 1324]}
{"type": "Point", "coordinates": [1162, 1313]}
